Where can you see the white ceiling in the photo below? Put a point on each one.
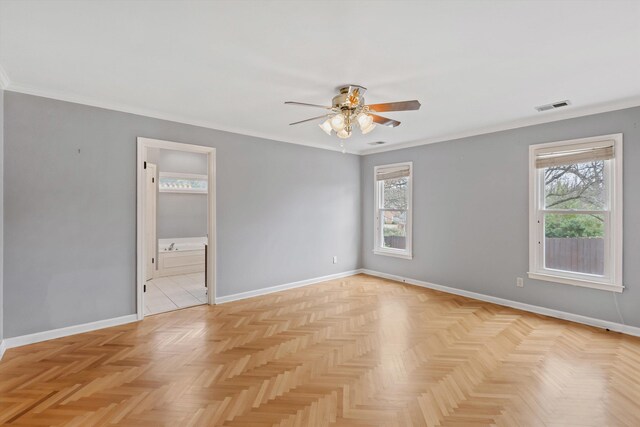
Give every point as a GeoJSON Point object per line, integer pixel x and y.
{"type": "Point", "coordinates": [475, 66]}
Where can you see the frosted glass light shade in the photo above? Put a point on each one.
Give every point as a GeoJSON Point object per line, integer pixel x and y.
{"type": "Point", "coordinates": [369, 128]}
{"type": "Point", "coordinates": [344, 134]}
{"type": "Point", "coordinates": [364, 120]}
{"type": "Point", "coordinates": [337, 122]}
{"type": "Point", "coordinates": [326, 126]}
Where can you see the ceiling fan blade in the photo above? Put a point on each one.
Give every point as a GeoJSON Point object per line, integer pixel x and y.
{"type": "Point", "coordinates": [311, 119]}
{"type": "Point", "coordinates": [395, 106]}
{"type": "Point", "coordinates": [304, 104]}
{"type": "Point", "coordinates": [385, 121]}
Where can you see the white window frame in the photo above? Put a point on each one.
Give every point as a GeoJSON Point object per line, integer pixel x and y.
{"type": "Point", "coordinates": [378, 249]}
{"type": "Point", "coordinates": [612, 278]}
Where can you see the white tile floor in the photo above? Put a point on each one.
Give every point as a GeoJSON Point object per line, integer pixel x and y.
{"type": "Point", "coordinates": [173, 292]}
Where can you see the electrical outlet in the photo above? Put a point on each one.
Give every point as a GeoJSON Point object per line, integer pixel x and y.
{"type": "Point", "coordinates": [519, 282]}
{"type": "Point", "coordinates": [335, 259]}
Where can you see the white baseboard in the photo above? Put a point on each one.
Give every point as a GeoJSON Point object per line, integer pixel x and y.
{"type": "Point", "coordinates": [278, 288]}
{"type": "Point", "coordinates": [64, 332]}
{"type": "Point", "coordinates": [101, 324]}
{"type": "Point", "coordinates": [604, 324]}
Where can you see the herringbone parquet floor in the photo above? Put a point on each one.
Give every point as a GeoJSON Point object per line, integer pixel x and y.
{"type": "Point", "coordinates": [359, 351]}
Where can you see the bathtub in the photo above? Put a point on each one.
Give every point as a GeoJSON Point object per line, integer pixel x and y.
{"type": "Point", "coordinates": [184, 257]}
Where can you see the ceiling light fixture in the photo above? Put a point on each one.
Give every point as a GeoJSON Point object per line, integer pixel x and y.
{"type": "Point", "coordinates": [344, 133]}
{"type": "Point", "coordinates": [326, 126]}
{"type": "Point", "coordinates": [364, 120]}
{"type": "Point", "coordinates": [348, 110]}
{"type": "Point", "coordinates": [368, 128]}
{"type": "Point", "coordinates": [338, 122]}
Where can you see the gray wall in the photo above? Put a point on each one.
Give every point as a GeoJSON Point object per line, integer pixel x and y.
{"type": "Point", "coordinates": [471, 216]}
{"type": "Point", "coordinates": [181, 215]}
{"type": "Point", "coordinates": [70, 230]}
{"type": "Point", "coordinates": [283, 211]}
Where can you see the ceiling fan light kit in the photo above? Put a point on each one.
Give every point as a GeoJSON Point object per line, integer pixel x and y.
{"type": "Point", "coordinates": [364, 120]}
{"type": "Point", "coordinates": [326, 126]}
{"type": "Point", "coordinates": [348, 110]}
{"type": "Point", "coordinates": [338, 122]}
{"type": "Point", "coordinates": [365, 130]}
{"type": "Point", "coordinates": [344, 134]}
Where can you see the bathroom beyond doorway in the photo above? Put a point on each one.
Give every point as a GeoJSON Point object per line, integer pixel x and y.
{"type": "Point", "coordinates": [176, 208]}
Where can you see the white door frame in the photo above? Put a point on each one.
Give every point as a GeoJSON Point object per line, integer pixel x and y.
{"type": "Point", "coordinates": [143, 145]}
{"type": "Point", "coordinates": [150, 218]}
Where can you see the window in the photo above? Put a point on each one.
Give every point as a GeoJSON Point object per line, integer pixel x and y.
{"type": "Point", "coordinates": [171, 182]}
{"type": "Point", "coordinates": [575, 232]}
{"type": "Point", "coordinates": [393, 210]}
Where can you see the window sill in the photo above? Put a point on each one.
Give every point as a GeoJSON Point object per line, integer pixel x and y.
{"type": "Point", "coordinates": [576, 282]}
{"type": "Point", "coordinates": [403, 255]}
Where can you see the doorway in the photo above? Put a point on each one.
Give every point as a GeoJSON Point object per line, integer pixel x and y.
{"type": "Point", "coordinates": [176, 226]}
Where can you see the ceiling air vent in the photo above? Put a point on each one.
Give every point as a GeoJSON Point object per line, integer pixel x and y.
{"type": "Point", "coordinates": [377, 143]}
{"type": "Point", "coordinates": [553, 105]}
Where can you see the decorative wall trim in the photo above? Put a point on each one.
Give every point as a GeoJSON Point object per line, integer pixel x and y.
{"type": "Point", "coordinates": [107, 323]}
{"type": "Point", "coordinates": [571, 113]}
{"type": "Point", "coordinates": [598, 323]}
{"type": "Point", "coordinates": [541, 118]}
{"type": "Point", "coordinates": [65, 332]}
{"type": "Point", "coordinates": [155, 114]}
{"type": "Point", "coordinates": [278, 288]}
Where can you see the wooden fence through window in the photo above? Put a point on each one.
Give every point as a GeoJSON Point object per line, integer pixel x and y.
{"type": "Point", "coordinates": [584, 255]}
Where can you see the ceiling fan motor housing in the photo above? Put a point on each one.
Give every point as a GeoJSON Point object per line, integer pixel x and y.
{"type": "Point", "coordinates": [343, 100]}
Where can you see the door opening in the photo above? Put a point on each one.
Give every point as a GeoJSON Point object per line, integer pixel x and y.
{"type": "Point", "coordinates": [176, 226]}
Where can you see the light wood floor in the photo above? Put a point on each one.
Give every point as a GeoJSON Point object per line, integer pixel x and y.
{"type": "Point", "coordinates": [359, 351]}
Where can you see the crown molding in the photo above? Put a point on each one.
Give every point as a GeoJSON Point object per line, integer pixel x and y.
{"type": "Point", "coordinates": [4, 79]}
{"type": "Point", "coordinates": [155, 114]}
{"type": "Point", "coordinates": [548, 117]}
{"type": "Point", "coordinates": [571, 113]}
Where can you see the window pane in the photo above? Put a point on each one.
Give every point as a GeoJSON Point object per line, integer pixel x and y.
{"type": "Point", "coordinates": [574, 242]}
{"type": "Point", "coordinates": [395, 193]}
{"type": "Point", "coordinates": [182, 184]}
{"type": "Point", "coordinates": [394, 233]}
{"type": "Point", "coordinates": [577, 186]}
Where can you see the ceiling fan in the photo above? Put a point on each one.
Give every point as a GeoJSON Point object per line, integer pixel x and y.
{"type": "Point", "coordinates": [348, 110]}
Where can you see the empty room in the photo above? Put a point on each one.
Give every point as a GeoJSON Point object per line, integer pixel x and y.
{"type": "Point", "coordinates": [320, 213]}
